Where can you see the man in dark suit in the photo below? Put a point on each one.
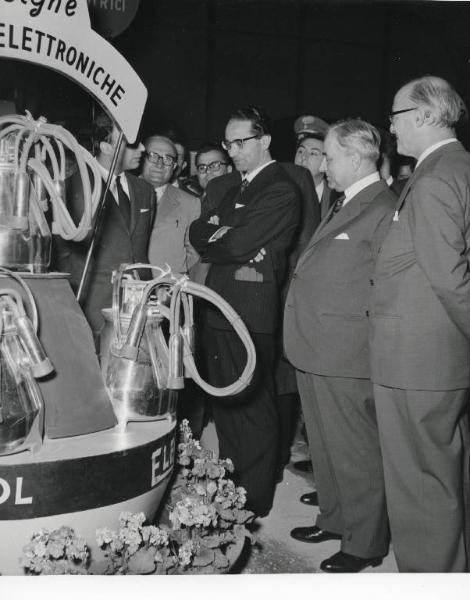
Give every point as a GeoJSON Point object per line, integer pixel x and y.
{"type": "Point", "coordinates": [420, 343]}
{"type": "Point", "coordinates": [125, 227]}
{"type": "Point", "coordinates": [286, 386]}
{"type": "Point", "coordinates": [325, 337]}
{"type": "Point", "coordinates": [245, 239]}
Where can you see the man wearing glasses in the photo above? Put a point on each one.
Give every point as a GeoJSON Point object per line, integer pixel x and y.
{"type": "Point", "coordinates": [245, 239]}
{"type": "Point", "coordinates": [420, 342]}
{"type": "Point", "coordinates": [169, 241]}
{"type": "Point", "coordinates": [211, 162]}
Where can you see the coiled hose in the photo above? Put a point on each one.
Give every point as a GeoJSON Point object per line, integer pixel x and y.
{"type": "Point", "coordinates": [36, 134]}
{"type": "Point", "coordinates": [181, 291]}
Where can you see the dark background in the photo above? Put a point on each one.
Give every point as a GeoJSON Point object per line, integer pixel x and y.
{"type": "Point", "coordinates": [202, 58]}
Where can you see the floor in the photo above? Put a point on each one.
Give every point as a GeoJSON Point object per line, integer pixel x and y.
{"type": "Point", "coordinates": [276, 551]}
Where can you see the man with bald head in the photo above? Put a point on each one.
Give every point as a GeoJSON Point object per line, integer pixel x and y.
{"type": "Point", "coordinates": [421, 335]}
{"type": "Point", "coordinates": [169, 241]}
{"type": "Point", "coordinates": [326, 339]}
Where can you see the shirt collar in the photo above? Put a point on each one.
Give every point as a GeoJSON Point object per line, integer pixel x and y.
{"type": "Point", "coordinates": [358, 186]}
{"type": "Point", "coordinates": [250, 176]}
{"type": "Point", "coordinates": [389, 181]}
{"type": "Point", "coordinates": [320, 189]}
{"type": "Point", "coordinates": [431, 149]}
{"type": "Point", "coordinates": [159, 191]}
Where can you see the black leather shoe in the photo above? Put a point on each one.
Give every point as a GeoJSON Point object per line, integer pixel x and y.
{"type": "Point", "coordinates": [341, 562]}
{"type": "Point", "coordinates": [304, 465]}
{"type": "Point", "coordinates": [311, 499]}
{"type": "Point", "coordinates": [313, 535]}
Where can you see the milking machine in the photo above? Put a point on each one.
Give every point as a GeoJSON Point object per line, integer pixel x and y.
{"type": "Point", "coordinates": [148, 343]}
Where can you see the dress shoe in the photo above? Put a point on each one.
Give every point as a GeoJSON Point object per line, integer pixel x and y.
{"type": "Point", "coordinates": [341, 562]}
{"type": "Point", "coordinates": [311, 499]}
{"type": "Point", "coordinates": [304, 465]}
{"type": "Point", "coordinates": [313, 535]}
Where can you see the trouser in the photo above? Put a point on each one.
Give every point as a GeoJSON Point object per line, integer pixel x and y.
{"type": "Point", "coordinates": [344, 445]}
{"type": "Point", "coordinates": [425, 448]}
{"type": "Point", "coordinates": [247, 424]}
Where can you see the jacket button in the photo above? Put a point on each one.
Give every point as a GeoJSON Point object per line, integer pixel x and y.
{"type": "Point", "coordinates": [371, 281]}
{"type": "Point", "coordinates": [367, 313]}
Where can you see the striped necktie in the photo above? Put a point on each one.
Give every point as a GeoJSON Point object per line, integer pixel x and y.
{"type": "Point", "coordinates": [338, 206]}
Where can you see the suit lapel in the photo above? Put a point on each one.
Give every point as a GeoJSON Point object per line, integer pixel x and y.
{"type": "Point", "coordinates": [450, 147]}
{"type": "Point", "coordinates": [135, 205]}
{"type": "Point", "coordinates": [347, 214]}
{"type": "Point", "coordinates": [168, 203]}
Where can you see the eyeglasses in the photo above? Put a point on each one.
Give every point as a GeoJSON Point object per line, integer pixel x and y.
{"type": "Point", "coordinates": [213, 166]}
{"type": "Point", "coordinates": [399, 112]}
{"type": "Point", "coordinates": [156, 158]}
{"type": "Point", "coordinates": [226, 144]}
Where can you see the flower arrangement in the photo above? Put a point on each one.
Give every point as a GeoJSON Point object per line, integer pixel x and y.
{"type": "Point", "coordinates": [203, 519]}
{"type": "Point", "coordinates": [59, 552]}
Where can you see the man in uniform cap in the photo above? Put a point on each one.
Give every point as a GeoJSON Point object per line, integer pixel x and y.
{"type": "Point", "coordinates": [309, 124]}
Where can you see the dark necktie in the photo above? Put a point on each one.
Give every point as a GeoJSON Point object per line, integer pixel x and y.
{"type": "Point", "coordinates": [124, 202]}
{"type": "Point", "coordinates": [244, 185]}
{"type": "Point", "coordinates": [338, 206]}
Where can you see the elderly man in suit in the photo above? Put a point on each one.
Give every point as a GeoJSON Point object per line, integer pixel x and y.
{"type": "Point", "coordinates": [421, 335]}
{"type": "Point", "coordinates": [169, 241]}
{"type": "Point", "coordinates": [326, 339]}
{"type": "Point", "coordinates": [125, 227]}
{"type": "Point", "coordinates": [245, 239]}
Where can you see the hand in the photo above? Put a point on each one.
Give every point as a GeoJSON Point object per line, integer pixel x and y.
{"type": "Point", "coordinates": [259, 257]}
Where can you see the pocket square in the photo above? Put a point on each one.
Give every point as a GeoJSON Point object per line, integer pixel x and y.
{"type": "Point", "coordinates": [239, 205]}
{"type": "Point", "coordinates": [144, 210]}
{"type": "Point", "coordinates": [342, 236]}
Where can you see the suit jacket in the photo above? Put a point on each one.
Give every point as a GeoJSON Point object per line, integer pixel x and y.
{"type": "Point", "coordinates": [421, 325]}
{"type": "Point", "coordinates": [309, 207]}
{"type": "Point", "coordinates": [266, 216]}
{"type": "Point", "coordinates": [118, 242]}
{"type": "Point", "coordinates": [169, 240]}
{"type": "Point", "coordinates": [326, 311]}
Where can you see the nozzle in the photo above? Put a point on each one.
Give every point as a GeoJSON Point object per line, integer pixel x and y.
{"type": "Point", "coordinates": [40, 364]}
{"type": "Point", "coordinates": [21, 209]}
{"type": "Point", "coordinates": [134, 333]}
{"type": "Point", "coordinates": [175, 367]}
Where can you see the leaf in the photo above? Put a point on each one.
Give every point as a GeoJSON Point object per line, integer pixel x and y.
{"type": "Point", "coordinates": [227, 514]}
{"type": "Point", "coordinates": [203, 558]}
{"type": "Point", "coordinates": [101, 567]}
{"type": "Point", "coordinates": [142, 562]}
{"type": "Point", "coordinates": [220, 560]}
{"type": "Point", "coordinates": [213, 541]}
{"type": "Point", "coordinates": [242, 515]}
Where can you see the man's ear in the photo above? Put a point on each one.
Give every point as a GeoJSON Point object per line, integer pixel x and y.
{"type": "Point", "coordinates": [423, 117]}
{"type": "Point", "coordinates": [106, 148]}
{"type": "Point", "coordinates": [356, 160]}
{"type": "Point", "coordinates": [265, 141]}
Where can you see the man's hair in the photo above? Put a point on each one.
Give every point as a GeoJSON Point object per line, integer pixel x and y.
{"type": "Point", "coordinates": [152, 138]}
{"type": "Point", "coordinates": [102, 131]}
{"type": "Point", "coordinates": [211, 147]}
{"type": "Point", "coordinates": [260, 122]}
{"type": "Point", "coordinates": [359, 136]}
{"type": "Point", "coordinates": [440, 97]}
{"type": "Point", "coordinates": [309, 136]}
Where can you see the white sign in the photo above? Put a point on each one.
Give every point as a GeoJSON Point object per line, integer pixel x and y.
{"type": "Point", "coordinates": [57, 34]}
